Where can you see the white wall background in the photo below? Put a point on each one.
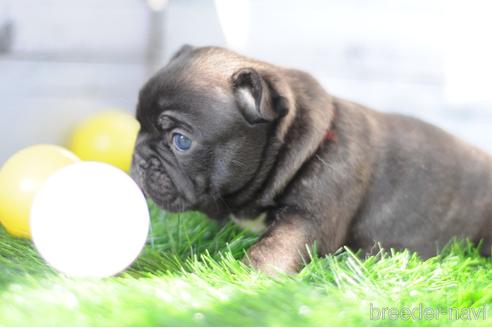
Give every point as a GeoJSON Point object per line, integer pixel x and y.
{"type": "Point", "coordinates": [70, 58]}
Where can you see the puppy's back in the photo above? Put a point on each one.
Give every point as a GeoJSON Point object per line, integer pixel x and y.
{"type": "Point", "coordinates": [427, 186]}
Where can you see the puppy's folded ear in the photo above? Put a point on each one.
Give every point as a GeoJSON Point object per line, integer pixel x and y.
{"type": "Point", "coordinates": [183, 50]}
{"type": "Point", "coordinates": [257, 98]}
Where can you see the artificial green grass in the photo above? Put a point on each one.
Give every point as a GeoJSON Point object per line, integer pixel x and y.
{"type": "Point", "coordinates": [190, 274]}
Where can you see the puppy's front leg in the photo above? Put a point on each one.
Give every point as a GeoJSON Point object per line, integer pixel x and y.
{"type": "Point", "coordinates": [283, 247]}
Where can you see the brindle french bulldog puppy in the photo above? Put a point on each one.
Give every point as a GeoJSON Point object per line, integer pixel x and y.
{"type": "Point", "coordinates": [235, 137]}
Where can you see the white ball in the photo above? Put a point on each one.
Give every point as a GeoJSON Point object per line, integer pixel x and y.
{"type": "Point", "coordinates": [89, 220]}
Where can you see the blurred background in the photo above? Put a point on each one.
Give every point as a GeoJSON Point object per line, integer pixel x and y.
{"type": "Point", "coordinates": [62, 60]}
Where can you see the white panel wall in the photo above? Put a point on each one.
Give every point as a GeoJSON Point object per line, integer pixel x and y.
{"type": "Point", "coordinates": [70, 58]}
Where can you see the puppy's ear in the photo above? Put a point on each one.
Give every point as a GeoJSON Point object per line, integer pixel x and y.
{"type": "Point", "coordinates": [183, 50]}
{"type": "Point", "coordinates": [257, 97]}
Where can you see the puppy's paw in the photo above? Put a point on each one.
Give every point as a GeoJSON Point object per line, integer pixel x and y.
{"type": "Point", "coordinates": [260, 260]}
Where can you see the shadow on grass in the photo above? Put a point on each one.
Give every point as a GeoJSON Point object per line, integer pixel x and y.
{"type": "Point", "coordinates": [175, 239]}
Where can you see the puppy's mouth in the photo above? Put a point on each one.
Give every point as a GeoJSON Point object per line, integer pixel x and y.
{"type": "Point", "coordinates": [166, 199]}
{"type": "Point", "coordinates": [171, 191]}
{"type": "Point", "coordinates": [158, 185]}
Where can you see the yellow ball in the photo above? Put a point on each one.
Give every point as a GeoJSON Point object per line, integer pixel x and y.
{"type": "Point", "coordinates": [107, 137]}
{"type": "Point", "coordinates": [20, 179]}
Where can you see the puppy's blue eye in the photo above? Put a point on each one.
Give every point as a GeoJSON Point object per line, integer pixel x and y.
{"type": "Point", "coordinates": [181, 142]}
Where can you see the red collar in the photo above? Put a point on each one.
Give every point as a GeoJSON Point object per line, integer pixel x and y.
{"type": "Point", "coordinates": [330, 136]}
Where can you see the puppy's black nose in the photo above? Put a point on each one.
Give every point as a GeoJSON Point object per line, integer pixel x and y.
{"type": "Point", "coordinates": [143, 152]}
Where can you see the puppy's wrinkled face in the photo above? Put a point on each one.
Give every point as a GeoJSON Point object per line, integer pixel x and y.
{"type": "Point", "coordinates": [196, 147]}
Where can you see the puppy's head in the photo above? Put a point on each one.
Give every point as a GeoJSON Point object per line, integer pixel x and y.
{"type": "Point", "coordinates": [206, 120]}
